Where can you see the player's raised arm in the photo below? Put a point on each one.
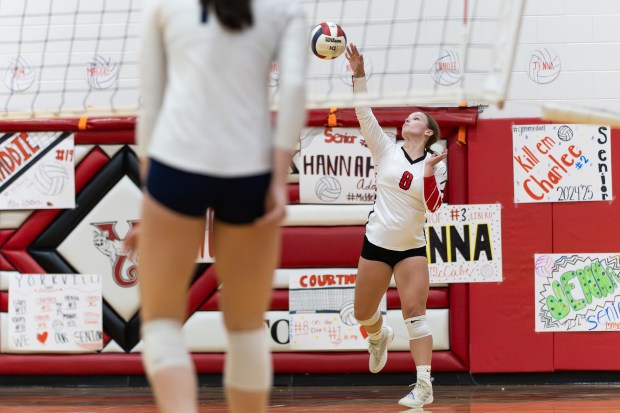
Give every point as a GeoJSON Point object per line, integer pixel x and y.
{"type": "Point", "coordinates": [376, 139]}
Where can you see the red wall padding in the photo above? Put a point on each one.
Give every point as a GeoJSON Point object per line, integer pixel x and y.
{"type": "Point", "coordinates": [321, 246]}
{"type": "Point", "coordinates": [303, 247]}
{"type": "Point", "coordinates": [588, 227]}
{"type": "Point", "coordinates": [491, 324]}
{"type": "Point", "coordinates": [502, 314]}
{"type": "Point", "coordinates": [212, 363]}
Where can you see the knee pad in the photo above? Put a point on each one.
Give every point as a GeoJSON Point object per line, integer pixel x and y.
{"type": "Point", "coordinates": [248, 361]}
{"type": "Point", "coordinates": [163, 346]}
{"type": "Point", "coordinates": [417, 327]}
{"type": "Point", "coordinates": [372, 320]}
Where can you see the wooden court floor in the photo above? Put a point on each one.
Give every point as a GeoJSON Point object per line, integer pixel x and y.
{"type": "Point", "coordinates": [342, 399]}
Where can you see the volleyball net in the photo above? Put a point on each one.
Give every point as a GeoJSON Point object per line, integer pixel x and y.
{"type": "Point", "coordinates": [80, 58]}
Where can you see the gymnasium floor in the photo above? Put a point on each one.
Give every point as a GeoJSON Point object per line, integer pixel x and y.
{"type": "Point", "coordinates": [342, 399]}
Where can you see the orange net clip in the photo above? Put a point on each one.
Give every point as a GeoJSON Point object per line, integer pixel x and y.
{"type": "Point", "coordinates": [331, 119]}
{"type": "Point", "coordinates": [82, 123]}
{"type": "Point", "coordinates": [461, 137]}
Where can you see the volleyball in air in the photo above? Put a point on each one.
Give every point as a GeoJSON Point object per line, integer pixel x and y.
{"type": "Point", "coordinates": [328, 41]}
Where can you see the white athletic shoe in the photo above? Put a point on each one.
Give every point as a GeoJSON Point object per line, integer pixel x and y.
{"type": "Point", "coordinates": [379, 350]}
{"type": "Point", "coordinates": [422, 394]}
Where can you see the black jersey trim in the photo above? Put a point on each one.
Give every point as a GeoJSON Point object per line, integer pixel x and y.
{"type": "Point", "coordinates": [412, 161]}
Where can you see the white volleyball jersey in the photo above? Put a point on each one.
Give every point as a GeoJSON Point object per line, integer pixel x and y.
{"type": "Point", "coordinates": [204, 89]}
{"type": "Point", "coordinates": [399, 213]}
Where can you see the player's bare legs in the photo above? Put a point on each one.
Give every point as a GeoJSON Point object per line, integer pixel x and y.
{"type": "Point", "coordinates": [246, 257]}
{"type": "Point", "coordinates": [411, 277]}
{"type": "Point", "coordinates": [372, 281]}
{"type": "Point", "coordinates": [412, 280]}
{"type": "Point", "coordinates": [167, 249]}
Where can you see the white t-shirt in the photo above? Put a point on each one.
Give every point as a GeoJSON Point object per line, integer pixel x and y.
{"type": "Point", "coordinates": [399, 213]}
{"type": "Point", "coordinates": [204, 89]}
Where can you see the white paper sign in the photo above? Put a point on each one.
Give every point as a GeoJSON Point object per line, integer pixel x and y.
{"type": "Point", "coordinates": [561, 163]}
{"type": "Point", "coordinates": [336, 167]}
{"type": "Point", "coordinates": [464, 243]}
{"type": "Point", "coordinates": [37, 170]}
{"type": "Point", "coordinates": [577, 292]}
{"type": "Point", "coordinates": [55, 313]}
{"type": "Point", "coordinates": [321, 311]}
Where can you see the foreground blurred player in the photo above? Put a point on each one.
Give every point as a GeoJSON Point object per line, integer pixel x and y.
{"type": "Point", "coordinates": [410, 181]}
{"type": "Point", "coordinates": [205, 127]}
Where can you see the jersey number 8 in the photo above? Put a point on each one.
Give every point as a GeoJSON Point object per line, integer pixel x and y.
{"type": "Point", "coordinates": [405, 180]}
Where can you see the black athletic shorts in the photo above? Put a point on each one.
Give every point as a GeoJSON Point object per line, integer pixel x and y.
{"type": "Point", "coordinates": [233, 200]}
{"type": "Point", "coordinates": [374, 253]}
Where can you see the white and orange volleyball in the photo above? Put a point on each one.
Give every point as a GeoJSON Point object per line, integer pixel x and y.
{"type": "Point", "coordinates": [328, 41]}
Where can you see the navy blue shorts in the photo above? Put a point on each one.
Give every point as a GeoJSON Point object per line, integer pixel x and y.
{"type": "Point", "coordinates": [374, 253]}
{"type": "Point", "coordinates": [233, 200]}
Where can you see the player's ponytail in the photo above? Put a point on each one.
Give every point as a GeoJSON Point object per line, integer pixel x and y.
{"type": "Point", "coordinates": [233, 14]}
{"type": "Point", "coordinates": [432, 125]}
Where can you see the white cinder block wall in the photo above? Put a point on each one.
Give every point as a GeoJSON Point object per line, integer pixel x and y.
{"type": "Point", "coordinates": [76, 55]}
{"type": "Point", "coordinates": [585, 37]}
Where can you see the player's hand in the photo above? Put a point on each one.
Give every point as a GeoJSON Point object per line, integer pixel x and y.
{"type": "Point", "coordinates": [356, 60]}
{"type": "Point", "coordinates": [275, 205]}
{"type": "Point", "coordinates": [434, 160]}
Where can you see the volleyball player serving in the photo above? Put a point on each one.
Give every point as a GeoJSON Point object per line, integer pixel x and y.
{"type": "Point", "coordinates": [410, 181]}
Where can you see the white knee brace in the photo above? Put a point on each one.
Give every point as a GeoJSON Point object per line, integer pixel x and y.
{"type": "Point", "coordinates": [417, 327]}
{"type": "Point", "coordinates": [248, 361]}
{"type": "Point", "coordinates": [163, 346]}
{"type": "Point", "coordinates": [372, 320]}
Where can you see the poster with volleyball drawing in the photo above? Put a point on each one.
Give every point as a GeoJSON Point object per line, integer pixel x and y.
{"type": "Point", "coordinates": [321, 310]}
{"type": "Point", "coordinates": [37, 170]}
{"type": "Point", "coordinates": [577, 292]}
{"type": "Point", "coordinates": [336, 167]}
{"type": "Point", "coordinates": [561, 163]}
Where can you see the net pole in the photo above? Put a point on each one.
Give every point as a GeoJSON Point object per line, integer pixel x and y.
{"type": "Point", "coordinates": [513, 10]}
